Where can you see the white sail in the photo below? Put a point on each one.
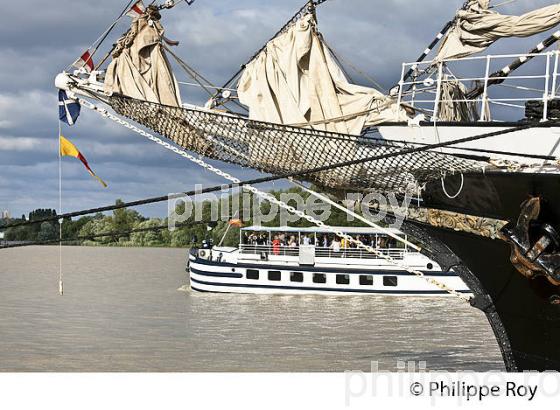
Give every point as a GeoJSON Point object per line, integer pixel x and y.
{"type": "Point", "coordinates": [477, 27]}
{"type": "Point", "coordinates": [140, 68]}
{"type": "Point", "coordinates": [296, 81]}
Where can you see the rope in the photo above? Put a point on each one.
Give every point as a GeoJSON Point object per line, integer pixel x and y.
{"type": "Point", "coordinates": [346, 117]}
{"type": "Point", "coordinates": [169, 4]}
{"type": "Point", "coordinates": [443, 32]}
{"type": "Point", "coordinates": [134, 110]}
{"type": "Point", "coordinates": [458, 192]}
{"type": "Point", "coordinates": [271, 199]}
{"type": "Point", "coordinates": [338, 56]}
{"type": "Point", "coordinates": [104, 35]}
{"type": "Point", "coordinates": [191, 72]}
{"type": "Point", "coordinates": [209, 86]}
{"type": "Point", "coordinates": [481, 150]}
{"type": "Point", "coordinates": [100, 235]}
{"type": "Point", "coordinates": [295, 17]}
{"type": "Point", "coordinates": [255, 181]}
{"type": "Point", "coordinates": [495, 6]}
{"type": "Point", "coordinates": [60, 276]}
{"type": "Point", "coordinates": [124, 205]}
{"type": "Point", "coordinates": [195, 75]}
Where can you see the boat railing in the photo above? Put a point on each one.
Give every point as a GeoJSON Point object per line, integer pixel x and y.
{"type": "Point", "coordinates": [498, 97]}
{"type": "Point", "coordinates": [324, 252]}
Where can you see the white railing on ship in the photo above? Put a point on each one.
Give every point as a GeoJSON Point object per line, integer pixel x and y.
{"type": "Point", "coordinates": [322, 252]}
{"type": "Point", "coordinates": [410, 90]}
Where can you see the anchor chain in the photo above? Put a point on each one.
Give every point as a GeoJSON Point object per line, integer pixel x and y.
{"type": "Point", "coordinates": [271, 198]}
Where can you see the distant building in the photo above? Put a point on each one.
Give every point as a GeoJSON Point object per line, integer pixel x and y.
{"type": "Point", "coordinates": [6, 214]}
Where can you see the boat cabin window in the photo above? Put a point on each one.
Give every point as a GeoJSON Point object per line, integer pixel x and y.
{"type": "Point", "coordinates": [342, 279]}
{"type": "Point", "coordinates": [390, 281]}
{"type": "Point", "coordinates": [252, 274]}
{"type": "Point", "coordinates": [366, 280]}
{"type": "Point", "coordinates": [319, 278]}
{"type": "Point", "coordinates": [296, 277]}
{"type": "Point", "coordinates": [275, 275]}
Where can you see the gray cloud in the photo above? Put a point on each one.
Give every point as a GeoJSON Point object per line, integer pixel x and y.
{"type": "Point", "coordinates": [38, 40]}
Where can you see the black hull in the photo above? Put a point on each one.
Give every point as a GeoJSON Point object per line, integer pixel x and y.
{"type": "Point", "coordinates": [521, 311]}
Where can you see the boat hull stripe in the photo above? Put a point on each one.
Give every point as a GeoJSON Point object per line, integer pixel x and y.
{"type": "Point", "coordinates": [217, 274]}
{"type": "Point", "coordinates": [348, 271]}
{"type": "Point", "coordinates": [279, 287]}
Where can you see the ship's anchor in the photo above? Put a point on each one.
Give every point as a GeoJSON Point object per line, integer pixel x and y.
{"type": "Point", "coordinates": [535, 246]}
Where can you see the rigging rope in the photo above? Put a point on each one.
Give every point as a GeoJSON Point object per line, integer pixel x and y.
{"type": "Point", "coordinates": [196, 76]}
{"type": "Point", "coordinates": [101, 235]}
{"type": "Point", "coordinates": [178, 151]}
{"type": "Point", "coordinates": [443, 32]}
{"type": "Point", "coordinates": [236, 182]}
{"type": "Point", "coordinates": [97, 43]}
{"type": "Point", "coordinates": [289, 151]}
{"type": "Point", "coordinates": [342, 61]}
{"type": "Point", "coordinates": [169, 4]}
{"type": "Point", "coordinates": [502, 4]}
{"type": "Point", "coordinates": [271, 199]}
{"type": "Point", "coordinates": [310, 5]}
{"type": "Point", "coordinates": [481, 150]}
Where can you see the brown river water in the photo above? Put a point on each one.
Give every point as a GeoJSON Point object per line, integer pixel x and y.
{"type": "Point", "coordinates": [129, 309]}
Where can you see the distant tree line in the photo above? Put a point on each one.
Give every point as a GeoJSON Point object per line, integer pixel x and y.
{"type": "Point", "coordinates": [125, 220]}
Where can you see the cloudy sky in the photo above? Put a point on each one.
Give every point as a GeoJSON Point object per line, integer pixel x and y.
{"type": "Point", "coordinates": [37, 40]}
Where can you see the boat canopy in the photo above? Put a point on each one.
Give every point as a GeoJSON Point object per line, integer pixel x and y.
{"type": "Point", "coordinates": [296, 81]}
{"type": "Point", "coordinates": [345, 229]}
{"type": "Point", "coordinates": [477, 27]}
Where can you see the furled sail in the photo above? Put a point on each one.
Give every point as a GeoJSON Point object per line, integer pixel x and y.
{"type": "Point", "coordinates": [296, 81]}
{"type": "Point", "coordinates": [140, 68]}
{"type": "Point", "coordinates": [477, 27]}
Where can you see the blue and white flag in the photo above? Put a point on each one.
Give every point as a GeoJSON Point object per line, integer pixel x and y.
{"type": "Point", "coordinates": [68, 108]}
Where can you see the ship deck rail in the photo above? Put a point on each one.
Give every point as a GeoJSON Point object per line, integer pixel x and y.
{"type": "Point", "coordinates": [324, 252]}
{"type": "Point", "coordinates": [535, 82]}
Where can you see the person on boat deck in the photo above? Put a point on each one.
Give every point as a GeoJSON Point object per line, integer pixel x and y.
{"type": "Point", "coordinates": [292, 243]}
{"type": "Point", "coordinates": [362, 239]}
{"type": "Point", "coordinates": [276, 245]}
{"type": "Point", "coordinates": [325, 241]}
{"type": "Point", "coordinates": [306, 240]}
{"type": "Point", "coordinates": [262, 240]}
{"type": "Point", "coordinates": [335, 245]}
{"type": "Point", "coordinates": [382, 243]}
{"type": "Point", "coordinates": [252, 239]}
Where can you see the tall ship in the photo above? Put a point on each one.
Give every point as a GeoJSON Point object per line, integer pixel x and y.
{"type": "Point", "coordinates": [294, 261]}
{"type": "Point", "coordinates": [471, 138]}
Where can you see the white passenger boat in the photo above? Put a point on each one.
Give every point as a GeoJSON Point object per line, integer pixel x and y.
{"type": "Point", "coordinates": [288, 260]}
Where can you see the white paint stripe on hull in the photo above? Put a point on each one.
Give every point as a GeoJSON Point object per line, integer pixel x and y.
{"type": "Point", "coordinates": [412, 287]}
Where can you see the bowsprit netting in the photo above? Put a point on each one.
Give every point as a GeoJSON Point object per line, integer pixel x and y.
{"type": "Point", "coordinates": [280, 149]}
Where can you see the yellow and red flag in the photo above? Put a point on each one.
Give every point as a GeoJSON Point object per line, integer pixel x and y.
{"type": "Point", "coordinates": [67, 149]}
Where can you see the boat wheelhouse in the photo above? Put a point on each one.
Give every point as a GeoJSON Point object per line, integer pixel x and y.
{"type": "Point", "coordinates": [288, 260]}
